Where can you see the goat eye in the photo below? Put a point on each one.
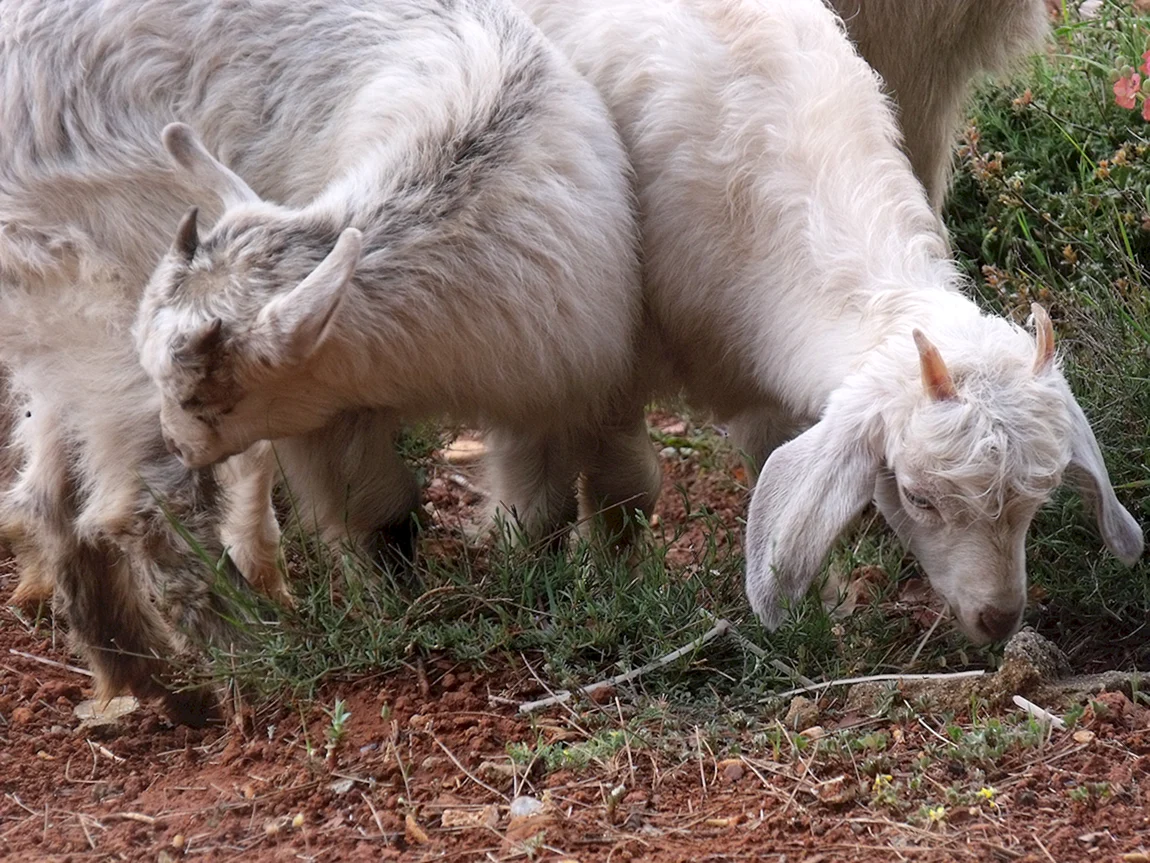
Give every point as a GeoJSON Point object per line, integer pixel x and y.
{"type": "Point", "coordinates": [917, 500]}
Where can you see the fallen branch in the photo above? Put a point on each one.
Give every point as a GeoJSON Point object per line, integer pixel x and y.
{"type": "Point", "coordinates": [878, 678]}
{"type": "Point", "coordinates": [720, 628]}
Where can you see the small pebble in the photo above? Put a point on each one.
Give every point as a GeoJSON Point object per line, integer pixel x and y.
{"type": "Point", "coordinates": [524, 806]}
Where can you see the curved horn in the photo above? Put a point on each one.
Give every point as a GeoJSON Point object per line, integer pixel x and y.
{"type": "Point", "coordinates": [936, 379]}
{"type": "Point", "coordinates": [1044, 334]}
{"type": "Point", "coordinates": [187, 236]}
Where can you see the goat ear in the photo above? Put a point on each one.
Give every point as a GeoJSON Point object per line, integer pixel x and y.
{"type": "Point", "coordinates": [1044, 335]}
{"type": "Point", "coordinates": [1121, 533]}
{"type": "Point", "coordinates": [187, 151]}
{"type": "Point", "coordinates": [936, 379]}
{"type": "Point", "coordinates": [300, 320]}
{"type": "Point", "coordinates": [187, 236]}
{"type": "Point", "coordinates": [807, 494]}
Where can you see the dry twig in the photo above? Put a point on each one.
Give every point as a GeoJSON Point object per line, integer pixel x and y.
{"type": "Point", "coordinates": [563, 696]}
{"type": "Point", "coordinates": [878, 678]}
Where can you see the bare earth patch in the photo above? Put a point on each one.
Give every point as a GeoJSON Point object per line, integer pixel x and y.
{"type": "Point", "coordinates": [435, 762]}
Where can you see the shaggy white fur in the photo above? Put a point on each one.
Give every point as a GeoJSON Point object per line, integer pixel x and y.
{"type": "Point", "coordinates": [790, 256]}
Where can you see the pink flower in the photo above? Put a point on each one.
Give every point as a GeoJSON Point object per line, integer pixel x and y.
{"type": "Point", "coordinates": [1145, 67]}
{"type": "Point", "coordinates": [1146, 110]}
{"type": "Point", "coordinates": [1125, 89]}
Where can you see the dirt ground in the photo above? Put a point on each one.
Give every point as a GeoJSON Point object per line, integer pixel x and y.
{"type": "Point", "coordinates": [423, 772]}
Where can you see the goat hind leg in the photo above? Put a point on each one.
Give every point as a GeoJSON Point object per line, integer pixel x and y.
{"type": "Point", "coordinates": [621, 475]}
{"type": "Point", "coordinates": [532, 476]}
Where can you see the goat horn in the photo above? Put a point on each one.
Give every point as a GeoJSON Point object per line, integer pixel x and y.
{"type": "Point", "coordinates": [1044, 334]}
{"type": "Point", "coordinates": [936, 379]}
{"type": "Point", "coordinates": [187, 236]}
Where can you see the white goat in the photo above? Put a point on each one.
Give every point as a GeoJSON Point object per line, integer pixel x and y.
{"type": "Point", "coordinates": [455, 238]}
{"type": "Point", "coordinates": [928, 52]}
{"type": "Point", "coordinates": [448, 144]}
{"type": "Point", "coordinates": [795, 271]}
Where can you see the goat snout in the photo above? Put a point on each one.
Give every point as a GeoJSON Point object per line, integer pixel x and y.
{"type": "Point", "coordinates": [999, 624]}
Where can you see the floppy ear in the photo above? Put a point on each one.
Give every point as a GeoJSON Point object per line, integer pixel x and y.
{"type": "Point", "coordinates": [299, 321]}
{"type": "Point", "coordinates": [1121, 533]}
{"type": "Point", "coordinates": [187, 151]}
{"type": "Point", "coordinates": [809, 491]}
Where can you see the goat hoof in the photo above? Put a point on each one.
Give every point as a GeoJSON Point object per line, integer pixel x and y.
{"type": "Point", "coordinates": [195, 708]}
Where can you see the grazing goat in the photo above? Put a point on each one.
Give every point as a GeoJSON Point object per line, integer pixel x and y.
{"type": "Point", "coordinates": [928, 52]}
{"type": "Point", "coordinates": [136, 591]}
{"type": "Point", "coordinates": [455, 240]}
{"type": "Point", "coordinates": [464, 142]}
{"type": "Point", "coordinates": [798, 281]}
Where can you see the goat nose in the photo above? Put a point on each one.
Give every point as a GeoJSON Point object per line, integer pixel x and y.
{"type": "Point", "coordinates": [172, 448]}
{"type": "Point", "coordinates": [999, 624]}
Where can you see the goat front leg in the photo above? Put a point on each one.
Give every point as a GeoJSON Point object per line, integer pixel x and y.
{"type": "Point", "coordinates": [113, 622]}
{"type": "Point", "coordinates": [250, 530]}
{"type": "Point", "coordinates": [119, 632]}
{"type": "Point", "coordinates": [348, 481]}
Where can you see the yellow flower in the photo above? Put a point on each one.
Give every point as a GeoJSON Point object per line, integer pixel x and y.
{"type": "Point", "coordinates": [988, 794]}
{"type": "Point", "coordinates": [936, 814]}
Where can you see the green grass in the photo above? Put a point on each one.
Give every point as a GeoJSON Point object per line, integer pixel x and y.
{"type": "Point", "coordinates": [1043, 208]}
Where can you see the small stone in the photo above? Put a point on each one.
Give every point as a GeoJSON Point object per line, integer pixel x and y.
{"type": "Point", "coordinates": [523, 833]}
{"type": "Point", "coordinates": [272, 828]}
{"type": "Point", "coordinates": [732, 769]}
{"type": "Point", "coordinates": [837, 791]}
{"type": "Point", "coordinates": [22, 716]}
{"type": "Point", "coordinates": [815, 732]}
{"type": "Point", "coordinates": [93, 713]}
{"type": "Point", "coordinates": [341, 786]}
{"type": "Point", "coordinates": [297, 822]}
{"type": "Point", "coordinates": [1083, 735]}
{"type": "Point", "coordinates": [1136, 857]}
{"type": "Point", "coordinates": [488, 816]}
{"type": "Point", "coordinates": [179, 841]}
{"type": "Point", "coordinates": [802, 713]}
{"type": "Point", "coordinates": [496, 770]}
{"type": "Point", "coordinates": [602, 695]}
{"type": "Point", "coordinates": [1029, 659]}
{"type": "Point", "coordinates": [525, 806]}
